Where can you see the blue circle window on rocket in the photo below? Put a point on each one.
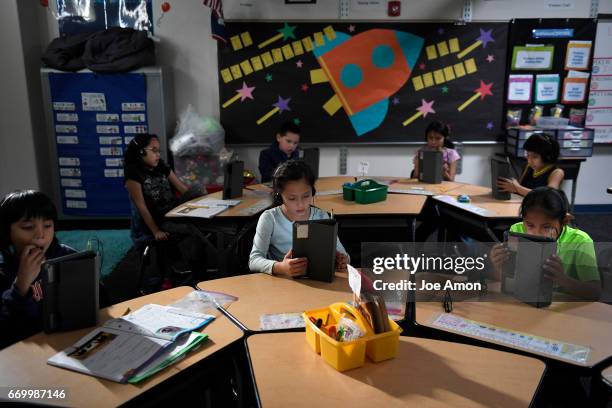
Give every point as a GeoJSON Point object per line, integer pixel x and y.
{"type": "Point", "coordinates": [351, 75]}
{"type": "Point", "coordinates": [383, 56]}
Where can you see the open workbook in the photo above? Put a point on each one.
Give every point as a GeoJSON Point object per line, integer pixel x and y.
{"type": "Point", "coordinates": [136, 346]}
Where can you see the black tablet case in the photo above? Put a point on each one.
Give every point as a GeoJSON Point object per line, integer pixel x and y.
{"type": "Point", "coordinates": [430, 166]}
{"type": "Point", "coordinates": [316, 240]}
{"type": "Point", "coordinates": [71, 292]}
{"type": "Point", "coordinates": [233, 179]}
{"type": "Point", "coordinates": [311, 158]}
{"type": "Point", "coordinates": [499, 168]}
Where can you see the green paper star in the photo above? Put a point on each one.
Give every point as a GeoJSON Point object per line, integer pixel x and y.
{"type": "Point", "coordinates": [445, 89]}
{"type": "Point", "coordinates": [296, 121]}
{"type": "Point", "coordinates": [287, 32]}
{"type": "Point", "coordinates": [269, 77]}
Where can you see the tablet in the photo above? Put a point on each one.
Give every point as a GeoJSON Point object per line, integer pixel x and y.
{"type": "Point", "coordinates": [430, 166]}
{"type": "Point", "coordinates": [316, 240]}
{"type": "Point", "coordinates": [499, 168]}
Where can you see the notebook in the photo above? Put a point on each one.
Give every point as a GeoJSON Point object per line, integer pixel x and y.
{"type": "Point", "coordinates": [135, 346]}
{"type": "Point", "coordinates": [316, 240]}
{"type": "Point", "coordinates": [430, 166]}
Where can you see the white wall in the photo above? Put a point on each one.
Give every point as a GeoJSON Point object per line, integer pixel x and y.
{"type": "Point", "coordinates": [188, 50]}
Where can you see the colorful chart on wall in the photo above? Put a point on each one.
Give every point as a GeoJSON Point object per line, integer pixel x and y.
{"type": "Point", "coordinates": [361, 82]}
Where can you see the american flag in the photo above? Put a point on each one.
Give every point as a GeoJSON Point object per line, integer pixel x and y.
{"type": "Point", "coordinates": [217, 25]}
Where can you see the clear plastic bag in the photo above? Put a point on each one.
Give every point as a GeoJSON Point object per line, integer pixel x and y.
{"type": "Point", "coordinates": [205, 302]}
{"type": "Point", "coordinates": [197, 135]}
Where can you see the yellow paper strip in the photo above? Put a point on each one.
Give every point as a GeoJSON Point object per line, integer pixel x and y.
{"type": "Point", "coordinates": [469, 49]}
{"type": "Point", "coordinates": [453, 43]}
{"type": "Point", "coordinates": [428, 80]}
{"type": "Point", "coordinates": [236, 71]}
{"type": "Point", "coordinates": [466, 103]}
{"type": "Point", "coordinates": [317, 76]}
{"type": "Point", "coordinates": [230, 101]}
{"type": "Point", "coordinates": [412, 118]}
{"type": "Point", "coordinates": [448, 73]}
{"type": "Point", "coordinates": [226, 75]}
{"type": "Point", "coordinates": [459, 69]}
{"type": "Point", "coordinates": [246, 67]}
{"type": "Point", "coordinates": [307, 41]}
{"type": "Point", "coordinates": [431, 52]}
{"type": "Point", "coordinates": [439, 77]}
{"type": "Point", "coordinates": [277, 55]}
{"type": "Point", "coordinates": [266, 116]}
{"type": "Point", "coordinates": [329, 33]}
{"type": "Point", "coordinates": [319, 40]}
{"type": "Point", "coordinates": [470, 66]}
{"type": "Point", "coordinates": [271, 40]}
{"type": "Point", "coordinates": [332, 105]}
{"type": "Point", "coordinates": [246, 39]}
{"type": "Point", "coordinates": [287, 51]}
{"type": "Point", "coordinates": [442, 48]}
{"type": "Point", "coordinates": [418, 83]}
{"type": "Point", "coordinates": [267, 59]}
{"type": "Point", "coordinates": [236, 43]}
{"type": "Point", "coordinates": [256, 62]}
{"type": "Point", "coordinates": [297, 48]}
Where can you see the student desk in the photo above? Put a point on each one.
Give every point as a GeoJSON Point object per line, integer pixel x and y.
{"type": "Point", "coordinates": [260, 293]}
{"type": "Point", "coordinates": [581, 323]}
{"type": "Point", "coordinates": [25, 363]}
{"type": "Point", "coordinates": [425, 373]}
{"type": "Point", "coordinates": [231, 225]}
{"type": "Point", "coordinates": [500, 214]}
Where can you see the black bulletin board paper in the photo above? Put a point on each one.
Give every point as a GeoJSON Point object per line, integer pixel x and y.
{"type": "Point", "coordinates": [250, 91]}
{"type": "Point", "coordinates": [521, 33]}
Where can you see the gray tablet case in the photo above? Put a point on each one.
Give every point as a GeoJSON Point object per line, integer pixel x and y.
{"type": "Point", "coordinates": [311, 158]}
{"type": "Point", "coordinates": [523, 276]}
{"type": "Point", "coordinates": [71, 292]}
{"type": "Point", "coordinates": [430, 166]}
{"type": "Point", "coordinates": [499, 168]}
{"type": "Point", "coordinates": [233, 179]}
{"type": "Point", "coordinates": [316, 240]}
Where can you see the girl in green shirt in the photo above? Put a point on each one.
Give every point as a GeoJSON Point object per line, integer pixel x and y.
{"type": "Point", "coordinates": [545, 212]}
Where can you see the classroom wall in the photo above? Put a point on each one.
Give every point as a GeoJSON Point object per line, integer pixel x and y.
{"type": "Point", "coordinates": [188, 50]}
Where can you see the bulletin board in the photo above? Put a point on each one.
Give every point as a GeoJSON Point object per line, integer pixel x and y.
{"type": "Point", "coordinates": [351, 83]}
{"type": "Point", "coordinates": [599, 114]}
{"type": "Point", "coordinates": [95, 117]}
{"type": "Point", "coordinates": [543, 35]}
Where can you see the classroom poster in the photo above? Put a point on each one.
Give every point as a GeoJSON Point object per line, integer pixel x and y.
{"type": "Point", "coordinates": [532, 58]}
{"type": "Point", "coordinates": [547, 88]}
{"type": "Point", "coordinates": [519, 88]}
{"type": "Point", "coordinates": [599, 112]}
{"type": "Point", "coordinates": [577, 55]}
{"type": "Point", "coordinates": [574, 90]}
{"type": "Point", "coordinates": [361, 82]}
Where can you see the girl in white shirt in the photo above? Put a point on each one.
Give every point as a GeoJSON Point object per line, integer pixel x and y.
{"type": "Point", "coordinates": [294, 188]}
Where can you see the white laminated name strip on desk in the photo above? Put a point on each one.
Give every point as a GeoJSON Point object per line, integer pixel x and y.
{"type": "Point", "coordinates": [417, 191]}
{"type": "Point", "coordinates": [524, 341]}
{"type": "Point", "coordinates": [259, 206]}
{"type": "Point", "coordinates": [214, 202]}
{"type": "Point", "coordinates": [466, 206]}
{"type": "Point", "coordinates": [329, 192]}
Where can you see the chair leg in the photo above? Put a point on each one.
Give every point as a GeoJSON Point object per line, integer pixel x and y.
{"type": "Point", "coordinates": [144, 261]}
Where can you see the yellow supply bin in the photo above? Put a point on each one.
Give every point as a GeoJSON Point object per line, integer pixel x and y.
{"type": "Point", "coordinates": [345, 355]}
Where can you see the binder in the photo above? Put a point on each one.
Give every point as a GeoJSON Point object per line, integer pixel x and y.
{"type": "Point", "coordinates": [316, 240]}
{"type": "Point", "coordinates": [71, 292]}
{"type": "Point", "coordinates": [499, 168]}
{"type": "Point", "coordinates": [430, 166]}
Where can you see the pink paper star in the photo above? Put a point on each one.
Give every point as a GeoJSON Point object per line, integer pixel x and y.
{"type": "Point", "coordinates": [351, 28]}
{"type": "Point", "coordinates": [304, 87]}
{"type": "Point", "coordinates": [490, 58]}
{"type": "Point", "coordinates": [245, 92]}
{"type": "Point", "coordinates": [422, 66]}
{"type": "Point", "coordinates": [299, 63]}
{"type": "Point", "coordinates": [426, 108]}
{"type": "Point", "coordinates": [484, 90]}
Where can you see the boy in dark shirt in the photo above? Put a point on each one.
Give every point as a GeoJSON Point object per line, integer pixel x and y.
{"type": "Point", "coordinates": [284, 148]}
